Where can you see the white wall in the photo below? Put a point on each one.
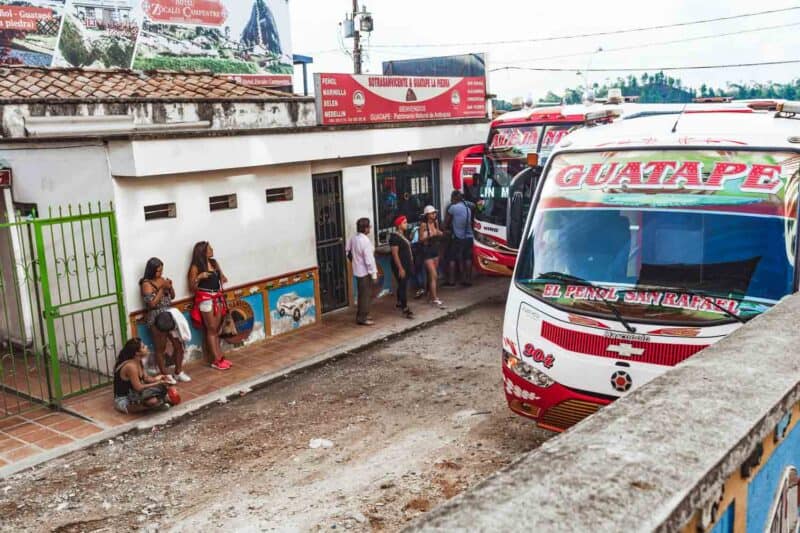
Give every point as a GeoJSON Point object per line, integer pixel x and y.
{"type": "Point", "coordinates": [59, 174]}
{"type": "Point", "coordinates": [255, 241]}
{"type": "Point", "coordinates": [176, 155]}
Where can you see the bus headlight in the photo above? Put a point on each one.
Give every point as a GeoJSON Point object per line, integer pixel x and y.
{"type": "Point", "coordinates": [486, 241]}
{"type": "Point", "coordinates": [526, 371]}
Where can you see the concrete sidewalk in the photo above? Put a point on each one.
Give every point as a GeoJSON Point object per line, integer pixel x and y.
{"type": "Point", "coordinates": [41, 435]}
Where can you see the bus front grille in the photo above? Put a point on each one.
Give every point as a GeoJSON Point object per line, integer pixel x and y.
{"type": "Point", "coordinates": [567, 414]}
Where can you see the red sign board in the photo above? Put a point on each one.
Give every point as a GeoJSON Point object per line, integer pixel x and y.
{"type": "Point", "coordinates": [23, 18]}
{"type": "Point", "coordinates": [199, 12]}
{"type": "Point", "coordinates": [5, 178]}
{"type": "Point", "coordinates": [365, 99]}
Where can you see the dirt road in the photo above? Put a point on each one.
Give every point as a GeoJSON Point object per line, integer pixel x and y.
{"type": "Point", "coordinates": [411, 423]}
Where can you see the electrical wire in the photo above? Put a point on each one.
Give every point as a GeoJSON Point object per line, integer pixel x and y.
{"type": "Point", "coordinates": [650, 45]}
{"type": "Point", "coordinates": [648, 69]}
{"type": "Point", "coordinates": [595, 34]}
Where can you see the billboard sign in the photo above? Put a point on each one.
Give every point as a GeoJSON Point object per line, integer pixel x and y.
{"type": "Point", "coordinates": [249, 39]}
{"type": "Point", "coordinates": [29, 31]}
{"type": "Point", "coordinates": [366, 99]}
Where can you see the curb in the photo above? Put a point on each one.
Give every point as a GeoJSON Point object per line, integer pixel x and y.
{"type": "Point", "coordinates": [232, 392]}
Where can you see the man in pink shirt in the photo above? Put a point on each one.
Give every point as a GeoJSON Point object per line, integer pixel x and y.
{"type": "Point", "coordinates": [361, 252]}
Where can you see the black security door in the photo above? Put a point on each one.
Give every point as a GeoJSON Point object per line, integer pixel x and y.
{"type": "Point", "coordinates": [329, 218]}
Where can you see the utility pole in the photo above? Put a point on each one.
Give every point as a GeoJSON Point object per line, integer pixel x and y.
{"type": "Point", "coordinates": [355, 23]}
{"type": "Point", "coordinates": [356, 42]}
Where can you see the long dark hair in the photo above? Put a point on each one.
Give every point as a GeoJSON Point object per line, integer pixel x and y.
{"type": "Point", "coordinates": [199, 259]}
{"type": "Point", "coordinates": [129, 351]}
{"type": "Point", "coordinates": [153, 264]}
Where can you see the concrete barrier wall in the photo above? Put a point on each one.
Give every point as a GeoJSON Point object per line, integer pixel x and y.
{"type": "Point", "coordinates": [711, 446]}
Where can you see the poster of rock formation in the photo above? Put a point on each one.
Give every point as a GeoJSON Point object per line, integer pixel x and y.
{"type": "Point", "coordinates": [248, 39]}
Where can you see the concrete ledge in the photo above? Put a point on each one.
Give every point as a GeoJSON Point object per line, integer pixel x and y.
{"type": "Point", "coordinates": [672, 455]}
{"type": "Point", "coordinates": [174, 415]}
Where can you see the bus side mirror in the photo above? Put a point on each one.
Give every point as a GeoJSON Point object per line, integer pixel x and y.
{"type": "Point", "coordinates": [516, 222]}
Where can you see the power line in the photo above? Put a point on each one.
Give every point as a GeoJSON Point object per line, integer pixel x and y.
{"type": "Point", "coordinates": [647, 69]}
{"type": "Point", "coordinates": [595, 34]}
{"type": "Point", "coordinates": [658, 43]}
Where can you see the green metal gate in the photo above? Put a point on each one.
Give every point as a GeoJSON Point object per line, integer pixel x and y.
{"type": "Point", "coordinates": [63, 318]}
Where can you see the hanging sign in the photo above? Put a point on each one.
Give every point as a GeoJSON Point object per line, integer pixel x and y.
{"type": "Point", "coordinates": [5, 178]}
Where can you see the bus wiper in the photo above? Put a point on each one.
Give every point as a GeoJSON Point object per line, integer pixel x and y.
{"type": "Point", "coordinates": [700, 294]}
{"type": "Point", "coordinates": [568, 278]}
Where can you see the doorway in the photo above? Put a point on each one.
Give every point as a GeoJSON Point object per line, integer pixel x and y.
{"type": "Point", "coordinates": [329, 227]}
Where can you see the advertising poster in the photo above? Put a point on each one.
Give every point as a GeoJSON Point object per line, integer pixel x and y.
{"type": "Point", "coordinates": [247, 38]}
{"type": "Point", "coordinates": [98, 34]}
{"type": "Point", "coordinates": [29, 31]}
{"type": "Point", "coordinates": [365, 99]}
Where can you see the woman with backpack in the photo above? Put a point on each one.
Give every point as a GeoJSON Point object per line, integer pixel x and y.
{"type": "Point", "coordinates": [158, 293]}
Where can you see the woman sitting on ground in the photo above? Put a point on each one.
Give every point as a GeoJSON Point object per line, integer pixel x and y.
{"type": "Point", "coordinates": [157, 293]}
{"type": "Point", "coordinates": [134, 390]}
{"type": "Point", "coordinates": [205, 281]}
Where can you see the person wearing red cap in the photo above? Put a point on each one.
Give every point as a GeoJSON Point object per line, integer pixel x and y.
{"type": "Point", "coordinates": [402, 263]}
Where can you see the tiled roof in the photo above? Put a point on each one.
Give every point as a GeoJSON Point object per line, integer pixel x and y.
{"type": "Point", "coordinates": [32, 83]}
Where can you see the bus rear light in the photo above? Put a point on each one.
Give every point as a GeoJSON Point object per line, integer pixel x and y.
{"type": "Point", "coordinates": [526, 371]}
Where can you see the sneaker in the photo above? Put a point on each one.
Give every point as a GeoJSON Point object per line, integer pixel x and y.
{"type": "Point", "coordinates": [366, 323]}
{"type": "Point", "coordinates": [438, 303]}
{"type": "Point", "coordinates": [170, 380]}
{"type": "Point", "coordinates": [419, 294]}
{"type": "Point", "coordinates": [408, 313]}
{"type": "Point", "coordinates": [183, 377]}
{"type": "Point", "coordinates": [219, 365]}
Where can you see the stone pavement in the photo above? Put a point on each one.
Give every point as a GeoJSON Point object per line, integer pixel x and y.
{"type": "Point", "coordinates": [43, 434]}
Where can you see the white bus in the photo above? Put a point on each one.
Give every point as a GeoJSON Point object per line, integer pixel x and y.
{"type": "Point", "coordinates": [647, 240]}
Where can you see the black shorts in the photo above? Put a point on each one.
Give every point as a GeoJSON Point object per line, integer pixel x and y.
{"type": "Point", "coordinates": [430, 252]}
{"type": "Point", "coordinates": [461, 249]}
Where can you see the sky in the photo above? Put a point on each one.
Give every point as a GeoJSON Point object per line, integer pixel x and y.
{"type": "Point", "coordinates": [399, 23]}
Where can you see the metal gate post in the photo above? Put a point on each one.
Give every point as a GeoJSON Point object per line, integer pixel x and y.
{"type": "Point", "coordinates": [123, 322]}
{"type": "Point", "coordinates": [48, 313]}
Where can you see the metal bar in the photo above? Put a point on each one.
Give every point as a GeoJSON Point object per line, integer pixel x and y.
{"type": "Point", "coordinates": [43, 258]}
{"type": "Point", "coordinates": [62, 219]}
{"type": "Point", "coordinates": [55, 372]}
{"type": "Point", "coordinates": [86, 301]}
{"type": "Point", "coordinates": [118, 278]}
{"type": "Point", "coordinates": [66, 259]}
{"type": "Point", "coordinates": [75, 255]}
{"type": "Point", "coordinates": [94, 249]}
{"type": "Point", "coordinates": [79, 311]}
{"type": "Point", "coordinates": [40, 337]}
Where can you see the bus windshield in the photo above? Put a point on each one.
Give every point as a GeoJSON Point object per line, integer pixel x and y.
{"type": "Point", "coordinates": [679, 236]}
{"type": "Point", "coordinates": [506, 157]}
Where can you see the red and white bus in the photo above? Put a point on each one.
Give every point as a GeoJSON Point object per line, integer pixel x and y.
{"type": "Point", "coordinates": [491, 173]}
{"type": "Point", "coordinates": [647, 241]}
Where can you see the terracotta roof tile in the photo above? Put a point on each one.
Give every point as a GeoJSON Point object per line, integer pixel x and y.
{"type": "Point", "coordinates": [25, 83]}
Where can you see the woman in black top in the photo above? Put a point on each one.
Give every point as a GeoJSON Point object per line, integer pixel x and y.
{"type": "Point", "coordinates": [430, 235]}
{"type": "Point", "coordinates": [402, 263]}
{"type": "Point", "coordinates": [134, 390]}
{"type": "Point", "coordinates": [205, 281]}
{"type": "Point", "coordinates": [157, 293]}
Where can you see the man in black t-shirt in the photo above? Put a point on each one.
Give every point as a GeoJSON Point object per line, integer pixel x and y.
{"type": "Point", "coordinates": [402, 263]}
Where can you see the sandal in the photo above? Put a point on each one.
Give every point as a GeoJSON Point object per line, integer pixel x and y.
{"type": "Point", "coordinates": [438, 303]}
